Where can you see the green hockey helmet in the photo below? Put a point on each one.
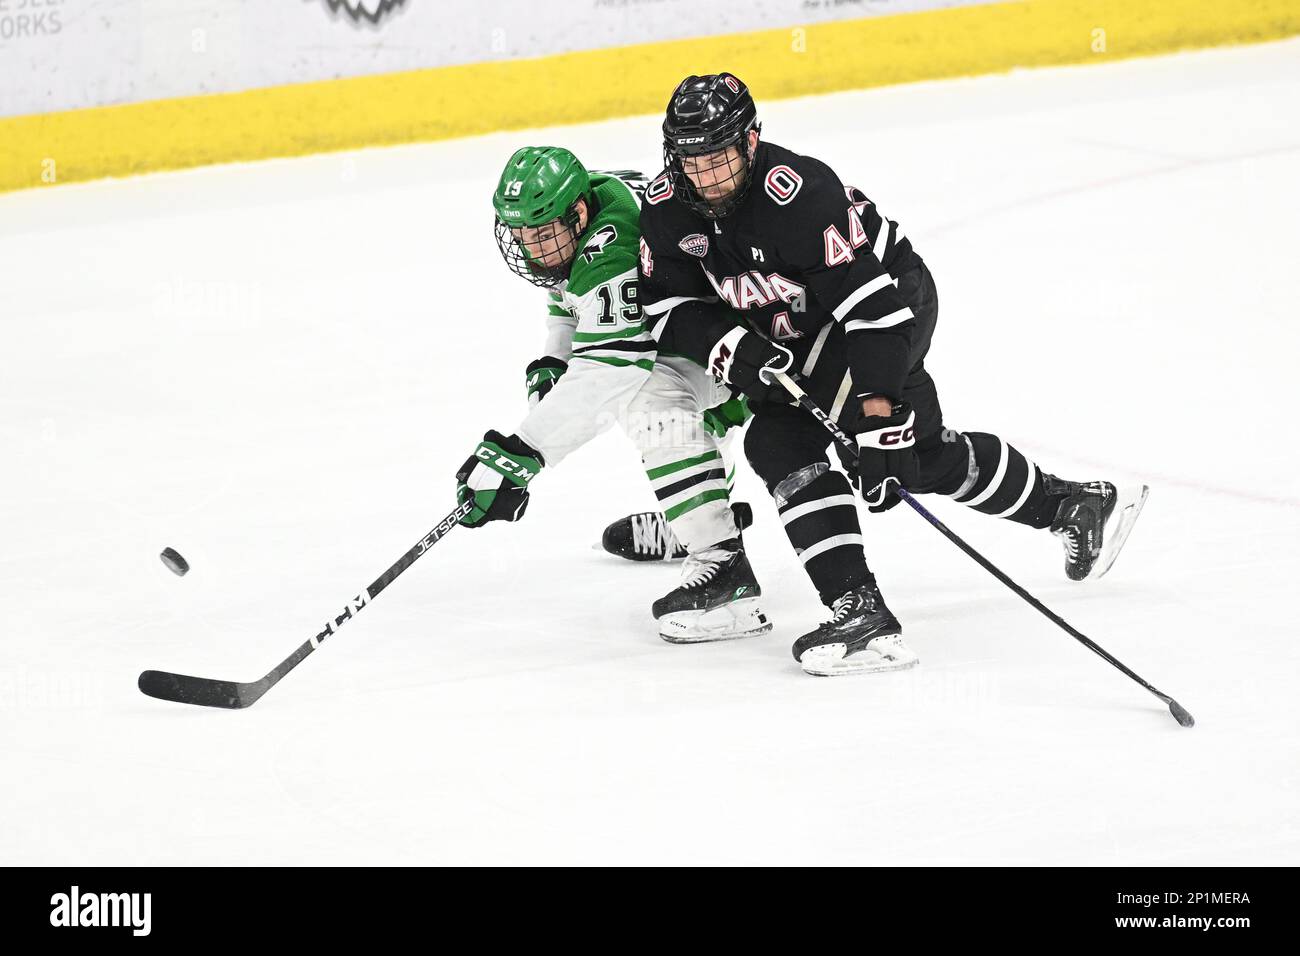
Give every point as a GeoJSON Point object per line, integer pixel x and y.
{"type": "Point", "coordinates": [536, 215]}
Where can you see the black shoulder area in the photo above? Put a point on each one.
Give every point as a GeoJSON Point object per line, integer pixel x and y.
{"type": "Point", "coordinates": [661, 212]}
{"type": "Point", "coordinates": [786, 180]}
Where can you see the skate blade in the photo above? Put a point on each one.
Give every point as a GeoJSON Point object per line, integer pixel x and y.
{"type": "Point", "coordinates": [730, 622]}
{"type": "Point", "coordinates": [1128, 506]}
{"type": "Point", "coordinates": [828, 660]}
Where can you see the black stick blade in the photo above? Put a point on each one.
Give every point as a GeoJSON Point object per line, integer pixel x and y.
{"type": "Point", "coordinates": [184, 689]}
{"type": "Point", "coordinates": [1181, 715]}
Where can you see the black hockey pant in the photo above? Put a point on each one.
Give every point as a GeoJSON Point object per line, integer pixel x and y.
{"type": "Point", "coordinates": [975, 468]}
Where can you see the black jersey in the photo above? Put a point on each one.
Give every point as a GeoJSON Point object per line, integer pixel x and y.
{"type": "Point", "coordinates": [800, 254]}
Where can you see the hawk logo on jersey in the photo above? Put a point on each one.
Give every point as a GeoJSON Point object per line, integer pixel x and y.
{"type": "Point", "coordinates": [597, 243]}
{"type": "Point", "coordinates": [697, 244]}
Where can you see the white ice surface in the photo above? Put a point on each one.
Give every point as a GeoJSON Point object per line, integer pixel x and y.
{"type": "Point", "coordinates": [276, 368]}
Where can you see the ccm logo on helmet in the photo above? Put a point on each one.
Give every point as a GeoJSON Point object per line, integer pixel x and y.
{"type": "Point", "coordinates": [689, 140]}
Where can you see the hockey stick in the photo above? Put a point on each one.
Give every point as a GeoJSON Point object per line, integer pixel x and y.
{"type": "Point", "coordinates": [1180, 713]}
{"type": "Point", "coordinates": [233, 695]}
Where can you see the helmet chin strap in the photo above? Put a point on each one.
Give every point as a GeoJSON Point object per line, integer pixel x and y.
{"type": "Point", "coordinates": [749, 154]}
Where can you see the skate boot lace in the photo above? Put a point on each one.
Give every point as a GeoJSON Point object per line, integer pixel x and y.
{"type": "Point", "coordinates": [1067, 527]}
{"type": "Point", "coordinates": [651, 534]}
{"type": "Point", "coordinates": [1070, 537]}
{"type": "Point", "coordinates": [702, 568]}
{"type": "Point", "coordinates": [847, 604]}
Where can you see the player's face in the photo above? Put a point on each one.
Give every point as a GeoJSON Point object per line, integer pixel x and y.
{"type": "Point", "coordinates": [715, 176]}
{"type": "Point", "coordinates": [550, 245]}
{"type": "Point", "coordinates": [553, 244]}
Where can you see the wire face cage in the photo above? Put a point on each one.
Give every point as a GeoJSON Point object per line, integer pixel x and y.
{"type": "Point", "coordinates": [541, 254]}
{"type": "Point", "coordinates": [712, 184]}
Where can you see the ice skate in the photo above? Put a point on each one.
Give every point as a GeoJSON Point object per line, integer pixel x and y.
{"type": "Point", "coordinates": [1093, 523]}
{"type": "Point", "coordinates": [862, 637]}
{"type": "Point", "coordinates": [716, 601]}
{"type": "Point", "coordinates": [646, 536]}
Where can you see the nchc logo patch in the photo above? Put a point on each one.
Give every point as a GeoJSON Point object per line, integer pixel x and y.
{"type": "Point", "coordinates": [697, 244]}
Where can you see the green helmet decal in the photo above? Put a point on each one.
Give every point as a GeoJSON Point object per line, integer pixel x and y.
{"type": "Point", "coordinates": [540, 183]}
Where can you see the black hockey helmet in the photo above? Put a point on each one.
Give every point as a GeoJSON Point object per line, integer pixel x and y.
{"type": "Point", "coordinates": [706, 115]}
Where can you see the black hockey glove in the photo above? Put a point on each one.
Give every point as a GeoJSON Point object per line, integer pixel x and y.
{"type": "Point", "coordinates": [886, 457]}
{"type": "Point", "coordinates": [541, 376]}
{"type": "Point", "coordinates": [739, 357]}
{"type": "Point", "coordinates": [496, 477]}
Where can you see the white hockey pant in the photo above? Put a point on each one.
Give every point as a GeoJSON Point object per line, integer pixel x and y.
{"type": "Point", "coordinates": [690, 471]}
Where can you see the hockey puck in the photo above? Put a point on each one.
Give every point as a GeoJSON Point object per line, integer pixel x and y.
{"type": "Point", "coordinates": [175, 563]}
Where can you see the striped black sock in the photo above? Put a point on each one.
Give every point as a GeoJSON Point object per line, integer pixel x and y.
{"type": "Point", "coordinates": [1003, 483]}
{"type": "Point", "coordinates": [822, 524]}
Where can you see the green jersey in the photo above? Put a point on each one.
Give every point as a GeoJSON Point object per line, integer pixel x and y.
{"type": "Point", "coordinates": [595, 324]}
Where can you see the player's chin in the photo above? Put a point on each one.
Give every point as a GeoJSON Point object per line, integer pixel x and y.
{"type": "Point", "coordinates": [552, 262]}
{"type": "Point", "coordinates": [547, 271]}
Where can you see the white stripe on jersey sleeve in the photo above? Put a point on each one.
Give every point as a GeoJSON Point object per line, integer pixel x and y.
{"type": "Point", "coordinates": [860, 293]}
{"type": "Point", "coordinates": [663, 305]}
{"type": "Point", "coordinates": [882, 240]}
{"type": "Point", "coordinates": [884, 322]}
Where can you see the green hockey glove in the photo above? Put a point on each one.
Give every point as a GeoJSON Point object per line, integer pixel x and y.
{"type": "Point", "coordinates": [542, 374]}
{"type": "Point", "coordinates": [496, 477]}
